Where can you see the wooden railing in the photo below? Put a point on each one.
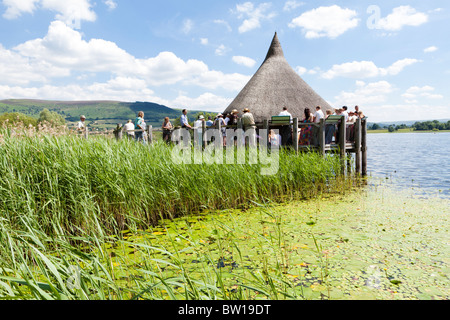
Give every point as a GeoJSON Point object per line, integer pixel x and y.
{"type": "Point", "coordinates": [341, 145]}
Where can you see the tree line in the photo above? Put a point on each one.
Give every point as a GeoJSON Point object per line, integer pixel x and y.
{"type": "Point", "coordinates": [418, 126]}
{"type": "Point", "coordinates": [45, 117]}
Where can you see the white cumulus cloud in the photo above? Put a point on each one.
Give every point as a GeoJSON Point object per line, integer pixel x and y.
{"type": "Point", "coordinates": [431, 49]}
{"type": "Point", "coordinates": [206, 101]}
{"type": "Point", "coordinates": [244, 61]}
{"type": "Point", "coordinates": [366, 69]}
{"type": "Point", "coordinates": [15, 8]}
{"type": "Point", "coordinates": [253, 15]}
{"type": "Point", "coordinates": [188, 24]}
{"type": "Point", "coordinates": [400, 17]}
{"type": "Point", "coordinates": [291, 5]}
{"type": "Point", "coordinates": [71, 12]}
{"type": "Point", "coordinates": [328, 22]}
{"type": "Point", "coordinates": [222, 50]}
{"type": "Point", "coordinates": [110, 4]}
{"type": "Point", "coordinates": [365, 94]}
{"type": "Point", "coordinates": [224, 23]}
{"type": "Point", "coordinates": [29, 69]}
{"type": "Point", "coordinates": [412, 94]}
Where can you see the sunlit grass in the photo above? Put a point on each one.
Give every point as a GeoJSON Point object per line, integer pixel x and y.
{"type": "Point", "coordinates": [68, 201]}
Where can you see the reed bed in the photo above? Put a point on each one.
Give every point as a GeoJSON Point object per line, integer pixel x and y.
{"type": "Point", "coordinates": [65, 199]}
{"type": "Point", "coordinates": [123, 185]}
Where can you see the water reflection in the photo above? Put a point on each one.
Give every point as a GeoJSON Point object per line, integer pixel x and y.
{"type": "Point", "coordinates": [411, 160]}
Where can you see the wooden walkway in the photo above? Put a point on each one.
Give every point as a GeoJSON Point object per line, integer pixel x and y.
{"type": "Point", "coordinates": [341, 144]}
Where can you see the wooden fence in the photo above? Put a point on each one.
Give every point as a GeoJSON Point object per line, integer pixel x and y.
{"type": "Point", "coordinates": [341, 144]}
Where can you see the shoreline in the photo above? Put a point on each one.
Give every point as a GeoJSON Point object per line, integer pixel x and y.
{"type": "Point", "coordinates": [406, 131]}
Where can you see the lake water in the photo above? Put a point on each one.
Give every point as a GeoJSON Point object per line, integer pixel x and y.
{"type": "Point", "coordinates": [419, 161]}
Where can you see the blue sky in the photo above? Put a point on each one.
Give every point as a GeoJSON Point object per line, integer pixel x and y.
{"type": "Point", "coordinates": [392, 58]}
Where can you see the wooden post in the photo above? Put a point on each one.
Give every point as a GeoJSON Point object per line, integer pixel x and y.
{"type": "Point", "coordinates": [266, 127]}
{"type": "Point", "coordinates": [118, 133]}
{"type": "Point", "coordinates": [150, 134]}
{"type": "Point", "coordinates": [349, 163]}
{"type": "Point", "coordinates": [358, 146]}
{"type": "Point", "coordinates": [295, 135]}
{"type": "Point", "coordinates": [322, 137]}
{"type": "Point", "coordinates": [219, 127]}
{"type": "Point", "coordinates": [342, 142]}
{"type": "Point", "coordinates": [203, 142]}
{"type": "Point", "coordinates": [240, 126]}
{"type": "Point", "coordinates": [86, 133]}
{"type": "Point", "coordinates": [364, 146]}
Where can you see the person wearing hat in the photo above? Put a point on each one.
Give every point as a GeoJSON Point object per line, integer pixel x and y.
{"type": "Point", "coordinates": [248, 122]}
{"type": "Point", "coordinates": [198, 126]}
{"type": "Point", "coordinates": [233, 118]}
{"type": "Point", "coordinates": [221, 120]}
{"type": "Point", "coordinates": [81, 126]}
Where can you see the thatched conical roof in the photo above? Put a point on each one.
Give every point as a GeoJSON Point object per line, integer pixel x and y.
{"type": "Point", "coordinates": [274, 86]}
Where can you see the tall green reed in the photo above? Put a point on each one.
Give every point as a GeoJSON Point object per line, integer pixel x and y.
{"type": "Point", "coordinates": [62, 198]}
{"type": "Point", "coordinates": [82, 183]}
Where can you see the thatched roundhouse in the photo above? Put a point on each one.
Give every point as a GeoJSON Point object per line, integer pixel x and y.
{"type": "Point", "coordinates": [274, 86]}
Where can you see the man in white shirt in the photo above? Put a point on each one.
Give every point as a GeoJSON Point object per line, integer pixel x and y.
{"type": "Point", "coordinates": [345, 113]}
{"type": "Point", "coordinates": [286, 131]}
{"type": "Point", "coordinates": [285, 113]}
{"type": "Point", "coordinates": [129, 126]}
{"type": "Point", "coordinates": [318, 115]}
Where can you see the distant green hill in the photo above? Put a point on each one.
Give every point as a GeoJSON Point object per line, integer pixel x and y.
{"type": "Point", "coordinates": [100, 114]}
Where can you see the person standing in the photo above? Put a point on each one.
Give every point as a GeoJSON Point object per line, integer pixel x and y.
{"type": "Point", "coordinates": [198, 127]}
{"type": "Point", "coordinates": [226, 118]}
{"type": "Point", "coordinates": [330, 129]}
{"type": "Point", "coordinates": [81, 126]}
{"type": "Point", "coordinates": [345, 113]}
{"type": "Point", "coordinates": [209, 123]}
{"type": "Point", "coordinates": [220, 120]}
{"type": "Point", "coordinates": [286, 131]}
{"type": "Point", "coordinates": [248, 123]}
{"type": "Point", "coordinates": [318, 115]}
{"type": "Point", "coordinates": [139, 124]}
{"type": "Point", "coordinates": [285, 113]}
{"type": "Point", "coordinates": [306, 131]}
{"type": "Point", "coordinates": [167, 130]}
{"type": "Point", "coordinates": [274, 139]}
{"type": "Point", "coordinates": [184, 120]}
{"type": "Point", "coordinates": [233, 118]}
{"type": "Point", "coordinates": [129, 129]}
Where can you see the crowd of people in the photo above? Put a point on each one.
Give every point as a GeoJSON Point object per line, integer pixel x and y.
{"type": "Point", "coordinates": [136, 129]}
{"type": "Point", "coordinates": [307, 134]}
